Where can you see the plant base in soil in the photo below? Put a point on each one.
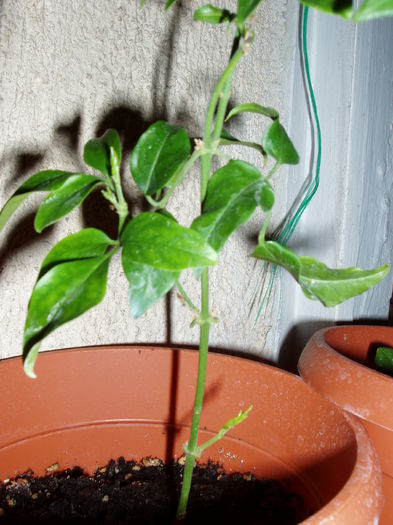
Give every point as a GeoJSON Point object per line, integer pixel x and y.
{"type": "Point", "coordinates": [125, 492]}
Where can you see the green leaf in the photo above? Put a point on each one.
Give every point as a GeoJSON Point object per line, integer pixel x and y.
{"type": "Point", "coordinates": [212, 15]}
{"type": "Point", "coordinates": [277, 144]}
{"type": "Point", "coordinates": [277, 254]}
{"type": "Point", "coordinates": [252, 107]}
{"type": "Point", "coordinates": [245, 8]}
{"type": "Point", "coordinates": [338, 7]}
{"type": "Point", "coordinates": [266, 199]}
{"type": "Point", "coordinates": [332, 287]}
{"type": "Point", "coordinates": [66, 288]}
{"type": "Point", "coordinates": [85, 244]}
{"type": "Point", "coordinates": [168, 3]}
{"type": "Point", "coordinates": [147, 284]}
{"type": "Point", "coordinates": [42, 181]}
{"type": "Point", "coordinates": [317, 281]}
{"type": "Point", "coordinates": [157, 156]}
{"type": "Point", "coordinates": [155, 240]}
{"type": "Point", "coordinates": [384, 359]}
{"type": "Point", "coordinates": [104, 153]}
{"type": "Point", "coordinates": [370, 9]}
{"type": "Point", "coordinates": [233, 193]}
{"type": "Point", "coordinates": [64, 199]}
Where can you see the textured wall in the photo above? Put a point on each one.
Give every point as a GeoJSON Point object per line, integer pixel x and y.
{"type": "Point", "coordinates": [69, 70]}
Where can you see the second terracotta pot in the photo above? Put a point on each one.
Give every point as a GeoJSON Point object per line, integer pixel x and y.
{"type": "Point", "coordinates": [90, 405]}
{"type": "Point", "coordinates": [338, 363]}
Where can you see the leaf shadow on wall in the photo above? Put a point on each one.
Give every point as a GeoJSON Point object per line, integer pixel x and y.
{"type": "Point", "coordinates": [22, 233]}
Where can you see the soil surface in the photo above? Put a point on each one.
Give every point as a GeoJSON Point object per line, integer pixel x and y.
{"type": "Point", "coordinates": [124, 492]}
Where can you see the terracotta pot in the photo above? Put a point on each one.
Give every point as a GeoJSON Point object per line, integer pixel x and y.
{"type": "Point", "coordinates": [338, 363]}
{"type": "Point", "coordinates": [93, 404]}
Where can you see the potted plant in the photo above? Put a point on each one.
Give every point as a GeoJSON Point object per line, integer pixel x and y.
{"type": "Point", "coordinates": [339, 363]}
{"type": "Point", "coordinates": [155, 249]}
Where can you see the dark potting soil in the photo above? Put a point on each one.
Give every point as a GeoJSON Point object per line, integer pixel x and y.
{"type": "Point", "coordinates": [124, 492]}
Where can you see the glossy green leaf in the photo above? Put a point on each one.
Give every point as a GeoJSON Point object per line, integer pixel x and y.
{"type": "Point", "coordinates": [47, 180]}
{"type": "Point", "coordinates": [338, 7]}
{"type": "Point", "coordinates": [317, 281]}
{"type": "Point", "coordinates": [252, 107]}
{"type": "Point", "coordinates": [158, 154]}
{"type": "Point", "coordinates": [168, 3]}
{"type": "Point", "coordinates": [277, 254]}
{"type": "Point", "coordinates": [277, 144]}
{"type": "Point", "coordinates": [370, 9]}
{"type": "Point", "coordinates": [384, 359]}
{"type": "Point", "coordinates": [101, 153]}
{"type": "Point", "coordinates": [85, 244]}
{"type": "Point", "coordinates": [147, 284]}
{"type": "Point", "coordinates": [245, 8]}
{"type": "Point", "coordinates": [66, 288]}
{"type": "Point", "coordinates": [155, 240]}
{"type": "Point", "coordinates": [266, 200]}
{"type": "Point", "coordinates": [212, 15]}
{"type": "Point", "coordinates": [233, 193]}
{"type": "Point", "coordinates": [63, 200]}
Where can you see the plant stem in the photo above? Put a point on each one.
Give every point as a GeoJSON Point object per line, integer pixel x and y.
{"type": "Point", "coordinates": [186, 298]}
{"type": "Point", "coordinates": [262, 233]}
{"type": "Point", "coordinates": [274, 169]}
{"type": "Point", "coordinates": [121, 204]}
{"type": "Point", "coordinates": [192, 444]}
{"type": "Point", "coordinates": [210, 142]}
{"type": "Point", "coordinates": [207, 136]}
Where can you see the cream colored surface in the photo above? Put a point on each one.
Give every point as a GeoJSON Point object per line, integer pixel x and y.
{"type": "Point", "coordinates": [68, 69]}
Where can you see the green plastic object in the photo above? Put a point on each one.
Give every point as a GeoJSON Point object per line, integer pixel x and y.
{"type": "Point", "coordinates": [384, 359]}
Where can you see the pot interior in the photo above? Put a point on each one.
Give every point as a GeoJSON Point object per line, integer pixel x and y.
{"type": "Point", "coordinates": [359, 343]}
{"type": "Point", "coordinates": [94, 404]}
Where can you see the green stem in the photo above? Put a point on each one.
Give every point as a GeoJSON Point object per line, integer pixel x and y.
{"type": "Point", "coordinates": [208, 140]}
{"type": "Point", "coordinates": [229, 425]}
{"type": "Point", "coordinates": [186, 298]}
{"type": "Point", "coordinates": [191, 450]}
{"type": "Point", "coordinates": [273, 170]}
{"type": "Point", "coordinates": [262, 233]}
{"type": "Point", "coordinates": [121, 203]}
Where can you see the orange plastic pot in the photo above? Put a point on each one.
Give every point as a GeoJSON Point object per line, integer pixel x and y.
{"type": "Point", "coordinates": [337, 362]}
{"type": "Point", "coordinates": [92, 404]}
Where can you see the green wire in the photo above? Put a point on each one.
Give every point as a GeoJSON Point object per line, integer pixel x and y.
{"type": "Point", "coordinates": [287, 232]}
{"type": "Point", "coordinates": [287, 227]}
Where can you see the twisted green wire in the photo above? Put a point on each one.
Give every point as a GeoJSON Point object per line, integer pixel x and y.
{"type": "Point", "coordinates": [287, 232]}
{"type": "Point", "coordinates": [287, 227]}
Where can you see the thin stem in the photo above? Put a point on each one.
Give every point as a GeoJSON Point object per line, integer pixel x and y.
{"type": "Point", "coordinates": [121, 204]}
{"type": "Point", "coordinates": [262, 233]}
{"type": "Point", "coordinates": [222, 109]}
{"type": "Point", "coordinates": [273, 170]}
{"type": "Point", "coordinates": [229, 425]}
{"type": "Point", "coordinates": [210, 142]}
{"type": "Point", "coordinates": [191, 449]}
{"type": "Point", "coordinates": [207, 136]}
{"type": "Point", "coordinates": [186, 298]}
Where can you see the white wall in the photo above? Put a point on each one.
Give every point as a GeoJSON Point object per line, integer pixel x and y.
{"type": "Point", "coordinates": [69, 69]}
{"type": "Point", "coordinates": [350, 220]}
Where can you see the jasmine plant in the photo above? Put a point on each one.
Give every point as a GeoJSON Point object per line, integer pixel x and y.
{"type": "Point", "coordinates": [154, 247]}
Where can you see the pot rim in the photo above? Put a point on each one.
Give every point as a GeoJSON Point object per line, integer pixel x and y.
{"type": "Point", "coordinates": [320, 363]}
{"type": "Point", "coordinates": [367, 471]}
{"type": "Point", "coordinates": [375, 373]}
